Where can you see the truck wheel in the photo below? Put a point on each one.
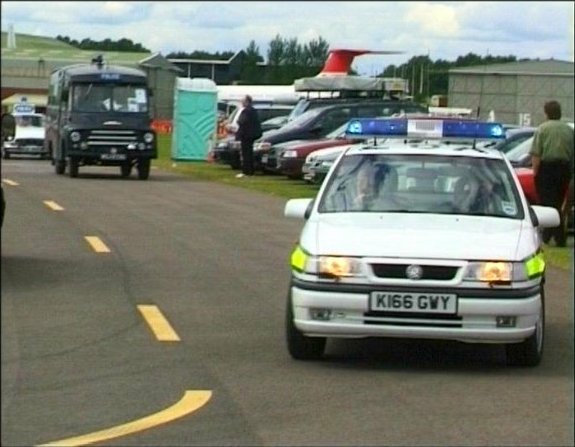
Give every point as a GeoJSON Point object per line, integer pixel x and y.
{"type": "Point", "coordinates": [60, 166]}
{"type": "Point", "coordinates": [126, 169]}
{"type": "Point", "coordinates": [144, 168]}
{"type": "Point", "coordinates": [530, 351]}
{"type": "Point", "coordinates": [74, 167]}
{"type": "Point", "coordinates": [301, 347]}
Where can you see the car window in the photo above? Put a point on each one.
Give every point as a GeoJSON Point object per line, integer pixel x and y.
{"type": "Point", "coordinates": [334, 118]}
{"type": "Point", "coordinates": [422, 184]}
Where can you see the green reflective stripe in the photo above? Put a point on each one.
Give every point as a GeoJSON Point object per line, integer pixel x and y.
{"type": "Point", "coordinates": [535, 266]}
{"type": "Point", "coordinates": [298, 259]}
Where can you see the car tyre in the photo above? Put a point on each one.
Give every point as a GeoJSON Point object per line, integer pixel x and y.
{"type": "Point", "coordinates": [144, 168]}
{"type": "Point", "coordinates": [530, 351]}
{"type": "Point", "coordinates": [301, 347]}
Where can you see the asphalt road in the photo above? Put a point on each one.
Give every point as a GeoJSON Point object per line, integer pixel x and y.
{"type": "Point", "coordinates": [79, 357]}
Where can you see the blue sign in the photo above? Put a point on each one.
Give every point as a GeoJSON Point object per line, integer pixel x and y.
{"type": "Point", "coordinates": [23, 108]}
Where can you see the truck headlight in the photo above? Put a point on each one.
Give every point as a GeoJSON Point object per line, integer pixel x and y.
{"type": "Point", "coordinates": [148, 137]}
{"type": "Point", "coordinates": [75, 136]}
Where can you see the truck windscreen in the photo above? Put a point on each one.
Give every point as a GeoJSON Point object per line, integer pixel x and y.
{"type": "Point", "coordinates": [91, 97]}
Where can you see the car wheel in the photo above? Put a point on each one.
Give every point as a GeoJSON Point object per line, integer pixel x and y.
{"type": "Point", "coordinates": [301, 347]}
{"type": "Point", "coordinates": [126, 169]}
{"type": "Point", "coordinates": [144, 168]}
{"type": "Point", "coordinates": [74, 167]}
{"type": "Point", "coordinates": [530, 351]}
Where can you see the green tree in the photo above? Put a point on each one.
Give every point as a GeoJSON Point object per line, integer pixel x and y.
{"type": "Point", "coordinates": [250, 72]}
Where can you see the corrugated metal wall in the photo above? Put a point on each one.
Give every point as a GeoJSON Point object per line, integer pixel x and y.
{"type": "Point", "coordinates": [511, 96]}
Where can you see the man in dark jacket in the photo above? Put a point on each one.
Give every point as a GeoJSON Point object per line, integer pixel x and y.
{"type": "Point", "coordinates": [249, 130]}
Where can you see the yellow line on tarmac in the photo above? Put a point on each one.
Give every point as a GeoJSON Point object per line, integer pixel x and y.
{"type": "Point", "coordinates": [10, 182]}
{"type": "Point", "coordinates": [192, 401]}
{"type": "Point", "coordinates": [97, 244]}
{"type": "Point", "coordinates": [53, 205]}
{"type": "Point", "coordinates": [158, 323]}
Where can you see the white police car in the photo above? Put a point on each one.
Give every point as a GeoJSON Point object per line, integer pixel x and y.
{"type": "Point", "coordinates": [422, 235]}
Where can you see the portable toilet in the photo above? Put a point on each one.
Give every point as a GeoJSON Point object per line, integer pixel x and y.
{"type": "Point", "coordinates": [195, 118]}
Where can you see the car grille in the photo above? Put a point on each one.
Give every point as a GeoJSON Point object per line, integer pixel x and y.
{"type": "Point", "coordinates": [111, 137]}
{"type": "Point", "coordinates": [398, 271]}
{"type": "Point", "coordinates": [30, 142]}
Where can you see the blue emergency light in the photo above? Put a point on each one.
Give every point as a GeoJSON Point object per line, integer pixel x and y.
{"type": "Point", "coordinates": [425, 128]}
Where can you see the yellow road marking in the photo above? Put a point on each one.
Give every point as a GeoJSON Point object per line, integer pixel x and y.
{"type": "Point", "coordinates": [10, 182]}
{"type": "Point", "coordinates": [97, 244]}
{"type": "Point", "coordinates": [158, 323]}
{"type": "Point", "coordinates": [53, 205]}
{"type": "Point", "coordinates": [192, 401]}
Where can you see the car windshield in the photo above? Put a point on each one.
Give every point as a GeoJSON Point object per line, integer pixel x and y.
{"type": "Point", "coordinates": [109, 97]}
{"type": "Point", "coordinates": [337, 133]}
{"type": "Point", "coordinates": [303, 119]}
{"type": "Point", "coordinates": [422, 184]}
{"type": "Point", "coordinates": [519, 152]}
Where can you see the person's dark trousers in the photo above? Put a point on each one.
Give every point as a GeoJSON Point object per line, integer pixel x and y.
{"type": "Point", "coordinates": [247, 157]}
{"type": "Point", "coordinates": [551, 183]}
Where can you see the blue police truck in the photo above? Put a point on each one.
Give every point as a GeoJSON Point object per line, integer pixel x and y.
{"type": "Point", "coordinates": [99, 114]}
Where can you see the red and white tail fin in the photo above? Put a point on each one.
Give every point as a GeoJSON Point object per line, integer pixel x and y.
{"type": "Point", "coordinates": [338, 62]}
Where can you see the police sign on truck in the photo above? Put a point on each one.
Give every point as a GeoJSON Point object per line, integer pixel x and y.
{"type": "Point", "coordinates": [99, 114]}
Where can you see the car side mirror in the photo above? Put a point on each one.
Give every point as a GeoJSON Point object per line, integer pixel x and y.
{"type": "Point", "coordinates": [8, 126]}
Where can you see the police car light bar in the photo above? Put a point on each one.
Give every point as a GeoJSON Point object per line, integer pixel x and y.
{"type": "Point", "coordinates": [425, 128]}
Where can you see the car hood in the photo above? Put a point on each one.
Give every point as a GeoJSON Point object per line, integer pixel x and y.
{"type": "Point", "coordinates": [413, 235]}
{"type": "Point", "coordinates": [29, 132]}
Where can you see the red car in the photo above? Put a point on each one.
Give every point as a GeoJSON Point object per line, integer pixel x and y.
{"type": "Point", "coordinates": [290, 156]}
{"type": "Point", "coordinates": [527, 181]}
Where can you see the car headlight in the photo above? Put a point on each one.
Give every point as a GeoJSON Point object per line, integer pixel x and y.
{"type": "Point", "coordinates": [505, 272]}
{"type": "Point", "coordinates": [262, 146]}
{"type": "Point", "coordinates": [148, 137]}
{"type": "Point", "coordinates": [325, 266]}
{"type": "Point", "coordinates": [75, 136]}
{"type": "Point", "coordinates": [222, 145]}
{"type": "Point", "coordinates": [289, 154]}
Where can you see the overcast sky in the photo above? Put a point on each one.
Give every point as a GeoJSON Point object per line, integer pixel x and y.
{"type": "Point", "coordinates": [445, 30]}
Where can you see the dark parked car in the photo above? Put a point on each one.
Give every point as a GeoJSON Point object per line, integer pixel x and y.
{"type": "Point", "coordinates": [319, 122]}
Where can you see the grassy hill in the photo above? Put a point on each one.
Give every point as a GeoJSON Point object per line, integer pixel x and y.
{"type": "Point", "coordinates": [30, 42]}
{"type": "Point", "coordinates": [33, 47]}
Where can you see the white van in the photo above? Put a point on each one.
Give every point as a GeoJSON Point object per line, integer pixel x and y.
{"type": "Point", "coordinates": [28, 138]}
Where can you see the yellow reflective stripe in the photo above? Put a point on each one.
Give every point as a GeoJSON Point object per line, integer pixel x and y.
{"type": "Point", "coordinates": [298, 259]}
{"type": "Point", "coordinates": [535, 266]}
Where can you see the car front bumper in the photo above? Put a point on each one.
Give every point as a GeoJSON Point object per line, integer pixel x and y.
{"type": "Point", "coordinates": [475, 320]}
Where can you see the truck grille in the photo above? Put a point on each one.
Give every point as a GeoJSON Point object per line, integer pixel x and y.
{"type": "Point", "coordinates": [111, 137]}
{"type": "Point", "coordinates": [437, 272]}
